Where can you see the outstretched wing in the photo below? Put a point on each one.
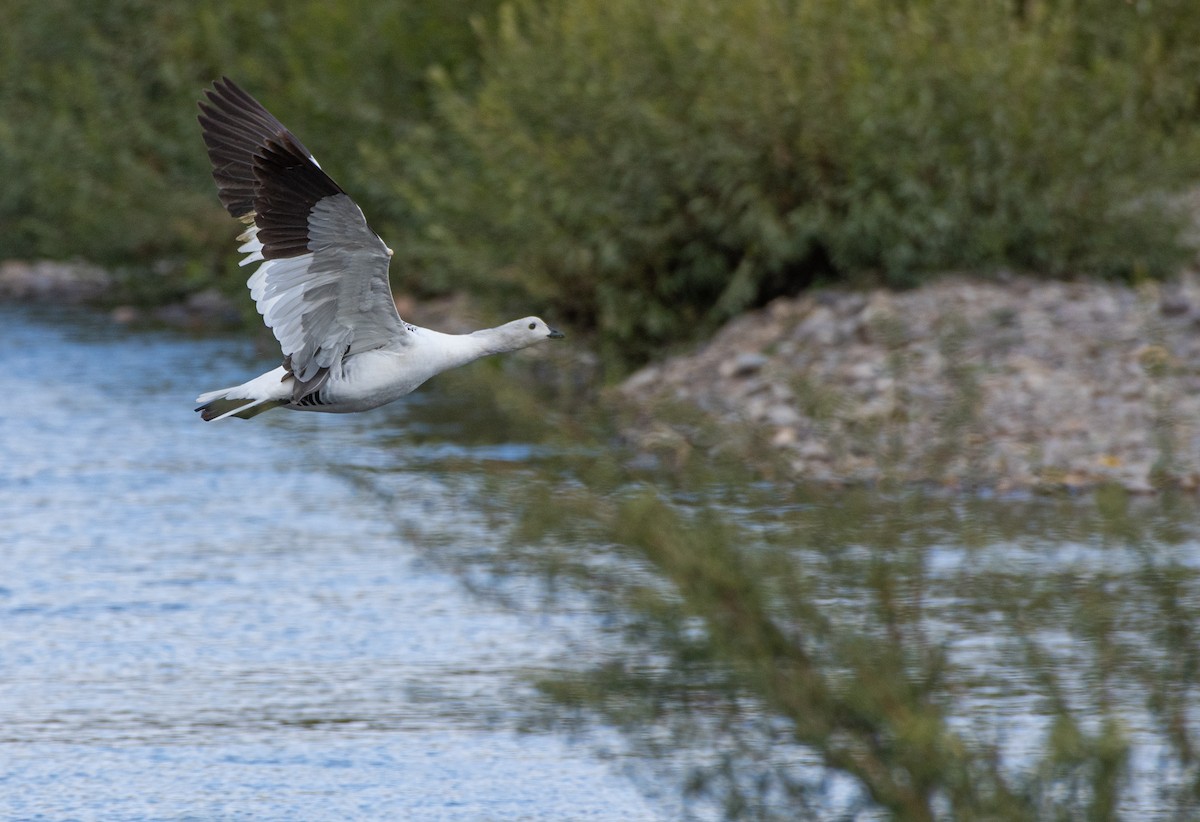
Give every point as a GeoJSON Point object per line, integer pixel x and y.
{"type": "Point", "coordinates": [322, 286]}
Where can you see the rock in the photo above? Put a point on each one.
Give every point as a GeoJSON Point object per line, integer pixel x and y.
{"type": "Point", "coordinates": [880, 407]}
{"type": "Point", "coordinates": [125, 314]}
{"type": "Point", "coordinates": [963, 382]}
{"type": "Point", "coordinates": [818, 328]}
{"type": "Point", "coordinates": [742, 365]}
{"type": "Point", "coordinates": [783, 437]}
{"type": "Point", "coordinates": [1138, 485]}
{"type": "Point", "coordinates": [781, 415]}
{"type": "Point", "coordinates": [865, 370]}
{"type": "Point", "coordinates": [211, 302]}
{"type": "Point", "coordinates": [48, 280]}
{"type": "Point", "coordinates": [643, 380]}
{"type": "Point", "coordinates": [77, 283]}
{"type": "Point", "coordinates": [814, 450]}
{"type": "Point", "coordinates": [643, 462]}
{"type": "Point", "coordinates": [754, 386]}
{"type": "Point", "coordinates": [204, 309]}
{"type": "Point", "coordinates": [1174, 303]}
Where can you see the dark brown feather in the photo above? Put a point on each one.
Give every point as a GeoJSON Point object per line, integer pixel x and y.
{"type": "Point", "coordinates": [259, 166]}
{"type": "Point", "coordinates": [288, 185]}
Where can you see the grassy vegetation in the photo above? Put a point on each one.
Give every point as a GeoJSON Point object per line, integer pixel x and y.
{"type": "Point", "coordinates": [643, 170]}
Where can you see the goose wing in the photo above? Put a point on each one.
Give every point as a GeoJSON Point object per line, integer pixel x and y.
{"type": "Point", "coordinates": [322, 286]}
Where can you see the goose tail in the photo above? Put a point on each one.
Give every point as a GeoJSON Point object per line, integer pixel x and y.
{"type": "Point", "coordinates": [247, 400]}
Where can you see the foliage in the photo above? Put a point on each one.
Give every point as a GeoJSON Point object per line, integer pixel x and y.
{"type": "Point", "coordinates": [775, 650]}
{"type": "Point", "coordinates": [99, 147]}
{"type": "Point", "coordinates": [889, 643]}
{"type": "Point", "coordinates": [645, 170]}
{"type": "Point", "coordinates": [650, 169]}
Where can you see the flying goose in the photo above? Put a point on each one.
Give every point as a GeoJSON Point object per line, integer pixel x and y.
{"type": "Point", "coordinates": [322, 283]}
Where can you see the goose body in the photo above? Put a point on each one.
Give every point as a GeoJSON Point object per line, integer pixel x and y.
{"type": "Point", "coordinates": [322, 280]}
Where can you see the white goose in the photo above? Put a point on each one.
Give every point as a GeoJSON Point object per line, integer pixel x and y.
{"type": "Point", "coordinates": [322, 287]}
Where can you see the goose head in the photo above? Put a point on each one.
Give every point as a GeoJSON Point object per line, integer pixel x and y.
{"type": "Point", "coordinates": [526, 332]}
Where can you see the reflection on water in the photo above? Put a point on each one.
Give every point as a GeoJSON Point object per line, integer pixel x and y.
{"type": "Point", "coordinates": [270, 619]}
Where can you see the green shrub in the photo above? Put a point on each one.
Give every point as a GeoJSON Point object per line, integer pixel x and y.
{"type": "Point", "coordinates": [642, 169]}
{"type": "Point", "coordinates": [650, 169]}
{"type": "Point", "coordinates": [100, 152]}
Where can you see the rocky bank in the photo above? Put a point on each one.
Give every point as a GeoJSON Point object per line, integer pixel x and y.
{"type": "Point", "coordinates": [1012, 383]}
{"type": "Point", "coordinates": [82, 283]}
{"type": "Point", "coordinates": [48, 280]}
{"type": "Point", "coordinates": [1006, 383]}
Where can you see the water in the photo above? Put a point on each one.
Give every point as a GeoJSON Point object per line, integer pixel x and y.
{"type": "Point", "coordinates": [460, 607]}
{"type": "Point", "coordinates": [211, 622]}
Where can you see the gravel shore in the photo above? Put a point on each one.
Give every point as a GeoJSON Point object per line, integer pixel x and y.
{"type": "Point", "coordinates": [1006, 384]}
{"type": "Point", "coordinates": [82, 283]}
{"type": "Point", "coordinates": [1010, 383]}
{"type": "Point", "coordinates": [71, 283]}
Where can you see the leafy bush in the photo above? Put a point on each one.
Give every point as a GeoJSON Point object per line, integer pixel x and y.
{"type": "Point", "coordinates": [650, 169]}
{"type": "Point", "coordinates": [646, 170]}
{"type": "Point", "coordinates": [99, 147]}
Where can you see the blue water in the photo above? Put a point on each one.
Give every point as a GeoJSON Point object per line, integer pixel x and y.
{"type": "Point", "coordinates": [211, 622]}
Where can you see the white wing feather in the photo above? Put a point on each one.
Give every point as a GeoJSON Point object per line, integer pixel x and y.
{"type": "Point", "coordinates": [322, 280]}
{"type": "Point", "coordinates": [333, 301]}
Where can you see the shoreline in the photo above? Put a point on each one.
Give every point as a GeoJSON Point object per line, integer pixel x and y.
{"type": "Point", "coordinates": [1005, 384]}
{"type": "Point", "coordinates": [1013, 384]}
{"type": "Point", "coordinates": [81, 283]}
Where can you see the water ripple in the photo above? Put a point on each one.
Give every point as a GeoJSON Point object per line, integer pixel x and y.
{"type": "Point", "coordinates": [204, 622]}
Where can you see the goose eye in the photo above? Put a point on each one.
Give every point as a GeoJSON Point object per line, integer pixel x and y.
{"type": "Point", "coordinates": [532, 326]}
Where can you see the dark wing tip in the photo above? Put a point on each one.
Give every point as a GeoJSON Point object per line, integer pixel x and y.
{"type": "Point", "coordinates": [235, 128]}
{"type": "Point", "coordinates": [288, 185]}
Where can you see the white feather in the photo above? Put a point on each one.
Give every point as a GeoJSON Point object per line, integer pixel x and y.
{"type": "Point", "coordinates": [330, 306]}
